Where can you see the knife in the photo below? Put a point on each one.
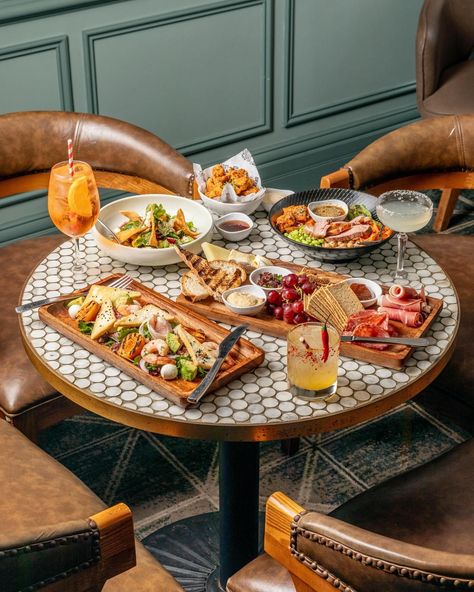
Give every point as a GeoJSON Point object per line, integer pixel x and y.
{"type": "Point", "coordinates": [415, 342]}
{"type": "Point", "coordinates": [224, 348]}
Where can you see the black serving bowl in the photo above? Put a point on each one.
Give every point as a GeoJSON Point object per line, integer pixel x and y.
{"type": "Point", "coordinates": [349, 196]}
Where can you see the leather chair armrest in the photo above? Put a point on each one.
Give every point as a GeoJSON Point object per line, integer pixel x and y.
{"type": "Point", "coordinates": [87, 552]}
{"type": "Point", "coordinates": [368, 561]}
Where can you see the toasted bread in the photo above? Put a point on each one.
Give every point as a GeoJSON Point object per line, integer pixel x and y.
{"type": "Point", "coordinates": [192, 288]}
{"type": "Point", "coordinates": [216, 276]}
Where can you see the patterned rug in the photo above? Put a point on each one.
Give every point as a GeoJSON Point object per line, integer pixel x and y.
{"type": "Point", "coordinates": [165, 479]}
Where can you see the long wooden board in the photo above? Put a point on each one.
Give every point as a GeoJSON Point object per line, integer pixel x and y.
{"type": "Point", "coordinates": [245, 354]}
{"type": "Point", "coordinates": [393, 357]}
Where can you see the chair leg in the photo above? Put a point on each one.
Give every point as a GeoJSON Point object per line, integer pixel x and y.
{"type": "Point", "coordinates": [445, 209]}
{"type": "Point", "coordinates": [291, 446]}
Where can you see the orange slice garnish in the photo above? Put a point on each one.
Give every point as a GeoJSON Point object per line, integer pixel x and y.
{"type": "Point", "coordinates": [78, 198]}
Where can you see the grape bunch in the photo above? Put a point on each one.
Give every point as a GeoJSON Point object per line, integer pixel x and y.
{"type": "Point", "coordinates": [288, 304]}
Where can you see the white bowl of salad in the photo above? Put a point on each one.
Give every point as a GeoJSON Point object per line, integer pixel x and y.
{"type": "Point", "coordinates": [149, 226]}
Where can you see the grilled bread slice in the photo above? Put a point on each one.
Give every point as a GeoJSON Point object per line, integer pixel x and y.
{"type": "Point", "coordinates": [192, 288]}
{"type": "Point", "coordinates": [216, 276]}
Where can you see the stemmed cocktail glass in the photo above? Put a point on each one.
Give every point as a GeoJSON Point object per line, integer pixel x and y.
{"type": "Point", "coordinates": [403, 211]}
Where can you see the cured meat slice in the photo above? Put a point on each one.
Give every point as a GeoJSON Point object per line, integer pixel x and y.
{"type": "Point", "coordinates": [369, 330]}
{"type": "Point", "coordinates": [414, 305]}
{"type": "Point", "coordinates": [403, 292]}
{"type": "Point", "coordinates": [371, 317]}
{"type": "Point", "coordinates": [407, 317]}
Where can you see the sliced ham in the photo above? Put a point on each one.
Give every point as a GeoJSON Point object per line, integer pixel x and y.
{"type": "Point", "coordinates": [403, 292]}
{"type": "Point", "coordinates": [356, 231]}
{"type": "Point", "coordinates": [407, 317]}
{"type": "Point", "coordinates": [361, 220]}
{"type": "Point", "coordinates": [387, 301]}
{"type": "Point", "coordinates": [318, 228]}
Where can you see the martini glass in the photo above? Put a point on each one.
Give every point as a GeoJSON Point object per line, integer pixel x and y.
{"type": "Point", "coordinates": [403, 211]}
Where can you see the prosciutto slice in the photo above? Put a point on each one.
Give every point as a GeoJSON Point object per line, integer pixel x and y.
{"type": "Point", "coordinates": [403, 292]}
{"type": "Point", "coordinates": [407, 317]}
{"type": "Point", "coordinates": [413, 304]}
{"type": "Point", "coordinates": [371, 317]}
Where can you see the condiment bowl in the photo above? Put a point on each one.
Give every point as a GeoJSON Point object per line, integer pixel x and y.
{"type": "Point", "coordinates": [243, 207]}
{"type": "Point", "coordinates": [372, 286]}
{"type": "Point", "coordinates": [275, 269]}
{"type": "Point", "coordinates": [246, 310]}
{"type": "Point", "coordinates": [328, 202]}
{"type": "Point", "coordinates": [234, 235]}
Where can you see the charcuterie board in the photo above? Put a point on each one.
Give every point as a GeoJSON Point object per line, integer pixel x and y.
{"type": "Point", "coordinates": [245, 355]}
{"type": "Point", "coordinates": [394, 356]}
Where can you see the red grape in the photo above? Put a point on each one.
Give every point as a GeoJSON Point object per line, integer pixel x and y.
{"type": "Point", "coordinates": [278, 312]}
{"type": "Point", "coordinates": [300, 318]}
{"type": "Point", "coordinates": [274, 298]}
{"type": "Point", "coordinates": [307, 288]}
{"type": "Point", "coordinates": [289, 294]}
{"type": "Point", "coordinates": [290, 281]}
{"type": "Point", "coordinates": [271, 309]}
{"type": "Point", "coordinates": [288, 315]}
{"type": "Point", "coordinates": [298, 306]}
{"type": "Point", "coordinates": [302, 279]}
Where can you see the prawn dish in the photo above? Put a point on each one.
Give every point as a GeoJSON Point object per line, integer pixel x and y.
{"type": "Point", "coordinates": [238, 178]}
{"type": "Point", "coordinates": [144, 334]}
{"type": "Point", "coordinates": [156, 229]}
{"type": "Point", "coordinates": [358, 228]}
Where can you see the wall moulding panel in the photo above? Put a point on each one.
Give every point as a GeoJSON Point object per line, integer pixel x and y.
{"type": "Point", "coordinates": [53, 84]}
{"type": "Point", "coordinates": [337, 85]}
{"type": "Point", "coordinates": [215, 96]}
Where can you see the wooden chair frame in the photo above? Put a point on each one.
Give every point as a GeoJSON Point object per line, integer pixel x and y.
{"type": "Point", "coordinates": [450, 183]}
{"type": "Point", "coordinates": [279, 516]}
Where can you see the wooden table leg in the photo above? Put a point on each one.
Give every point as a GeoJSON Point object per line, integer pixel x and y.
{"type": "Point", "coordinates": [446, 205]}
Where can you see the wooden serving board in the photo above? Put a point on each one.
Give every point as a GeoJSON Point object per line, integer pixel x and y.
{"type": "Point", "coordinates": [245, 354]}
{"type": "Point", "coordinates": [394, 356]}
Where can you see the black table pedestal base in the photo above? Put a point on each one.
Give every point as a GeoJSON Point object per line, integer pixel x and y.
{"type": "Point", "coordinates": [189, 550]}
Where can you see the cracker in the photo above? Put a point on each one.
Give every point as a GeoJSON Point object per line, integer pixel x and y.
{"type": "Point", "coordinates": [346, 298]}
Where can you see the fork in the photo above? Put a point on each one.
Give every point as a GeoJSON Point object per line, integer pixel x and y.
{"type": "Point", "coordinates": [122, 282]}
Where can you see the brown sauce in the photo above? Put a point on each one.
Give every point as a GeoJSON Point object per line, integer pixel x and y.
{"type": "Point", "coordinates": [234, 225]}
{"type": "Point", "coordinates": [328, 211]}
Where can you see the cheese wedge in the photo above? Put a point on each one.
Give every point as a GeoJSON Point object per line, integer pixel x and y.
{"type": "Point", "coordinates": [144, 314]}
{"type": "Point", "coordinates": [101, 293]}
{"type": "Point", "coordinates": [200, 355]}
{"type": "Point", "coordinates": [105, 319]}
{"type": "Point", "coordinates": [213, 252]}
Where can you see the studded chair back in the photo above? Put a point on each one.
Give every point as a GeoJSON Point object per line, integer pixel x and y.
{"type": "Point", "coordinates": [123, 156]}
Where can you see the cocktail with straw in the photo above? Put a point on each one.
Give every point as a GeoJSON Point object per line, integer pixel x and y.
{"type": "Point", "coordinates": [73, 201]}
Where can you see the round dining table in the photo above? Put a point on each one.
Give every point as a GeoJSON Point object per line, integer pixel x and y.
{"type": "Point", "coordinates": [256, 407]}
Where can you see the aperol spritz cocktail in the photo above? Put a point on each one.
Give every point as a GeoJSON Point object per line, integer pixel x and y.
{"type": "Point", "coordinates": [73, 202]}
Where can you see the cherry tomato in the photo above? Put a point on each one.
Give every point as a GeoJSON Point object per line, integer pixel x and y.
{"type": "Point", "coordinates": [298, 306]}
{"type": "Point", "coordinates": [290, 281]}
{"type": "Point", "coordinates": [289, 294]}
{"type": "Point", "coordinates": [274, 297]}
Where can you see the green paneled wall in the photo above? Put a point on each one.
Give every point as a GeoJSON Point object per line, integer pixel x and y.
{"type": "Point", "coordinates": [304, 84]}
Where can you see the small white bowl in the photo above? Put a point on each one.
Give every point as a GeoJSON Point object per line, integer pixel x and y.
{"type": "Point", "coordinates": [221, 208]}
{"type": "Point", "coordinates": [328, 202]}
{"type": "Point", "coordinates": [374, 288]}
{"type": "Point", "coordinates": [249, 311]}
{"type": "Point", "coordinates": [234, 235]}
{"type": "Point", "coordinates": [271, 269]}
{"type": "Point", "coordinates": [272, 196]}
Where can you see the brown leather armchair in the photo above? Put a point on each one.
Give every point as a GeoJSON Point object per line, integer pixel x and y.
{"type": "Point", "coordinates": [124, 157]}
{"type": "Point", "coordinates": [412, 533]}
{"type": "Point", "coordinates": [57, 536]}
{"type": "Point", "coordinates": [444, 70]}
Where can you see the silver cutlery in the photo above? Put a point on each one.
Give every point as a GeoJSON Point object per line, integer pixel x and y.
{"type": "Point", "coordinates": [121, 282]}
{"type": "Point", "coordinates": [415, 342]}
{"type": "Point", "coordinates": [109, 231]}
{"type": "Point", "coordinates": [224, 348]}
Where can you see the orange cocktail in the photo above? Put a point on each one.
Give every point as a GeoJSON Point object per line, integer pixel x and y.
{"type": "Point", "coordinates": [73, 201]}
